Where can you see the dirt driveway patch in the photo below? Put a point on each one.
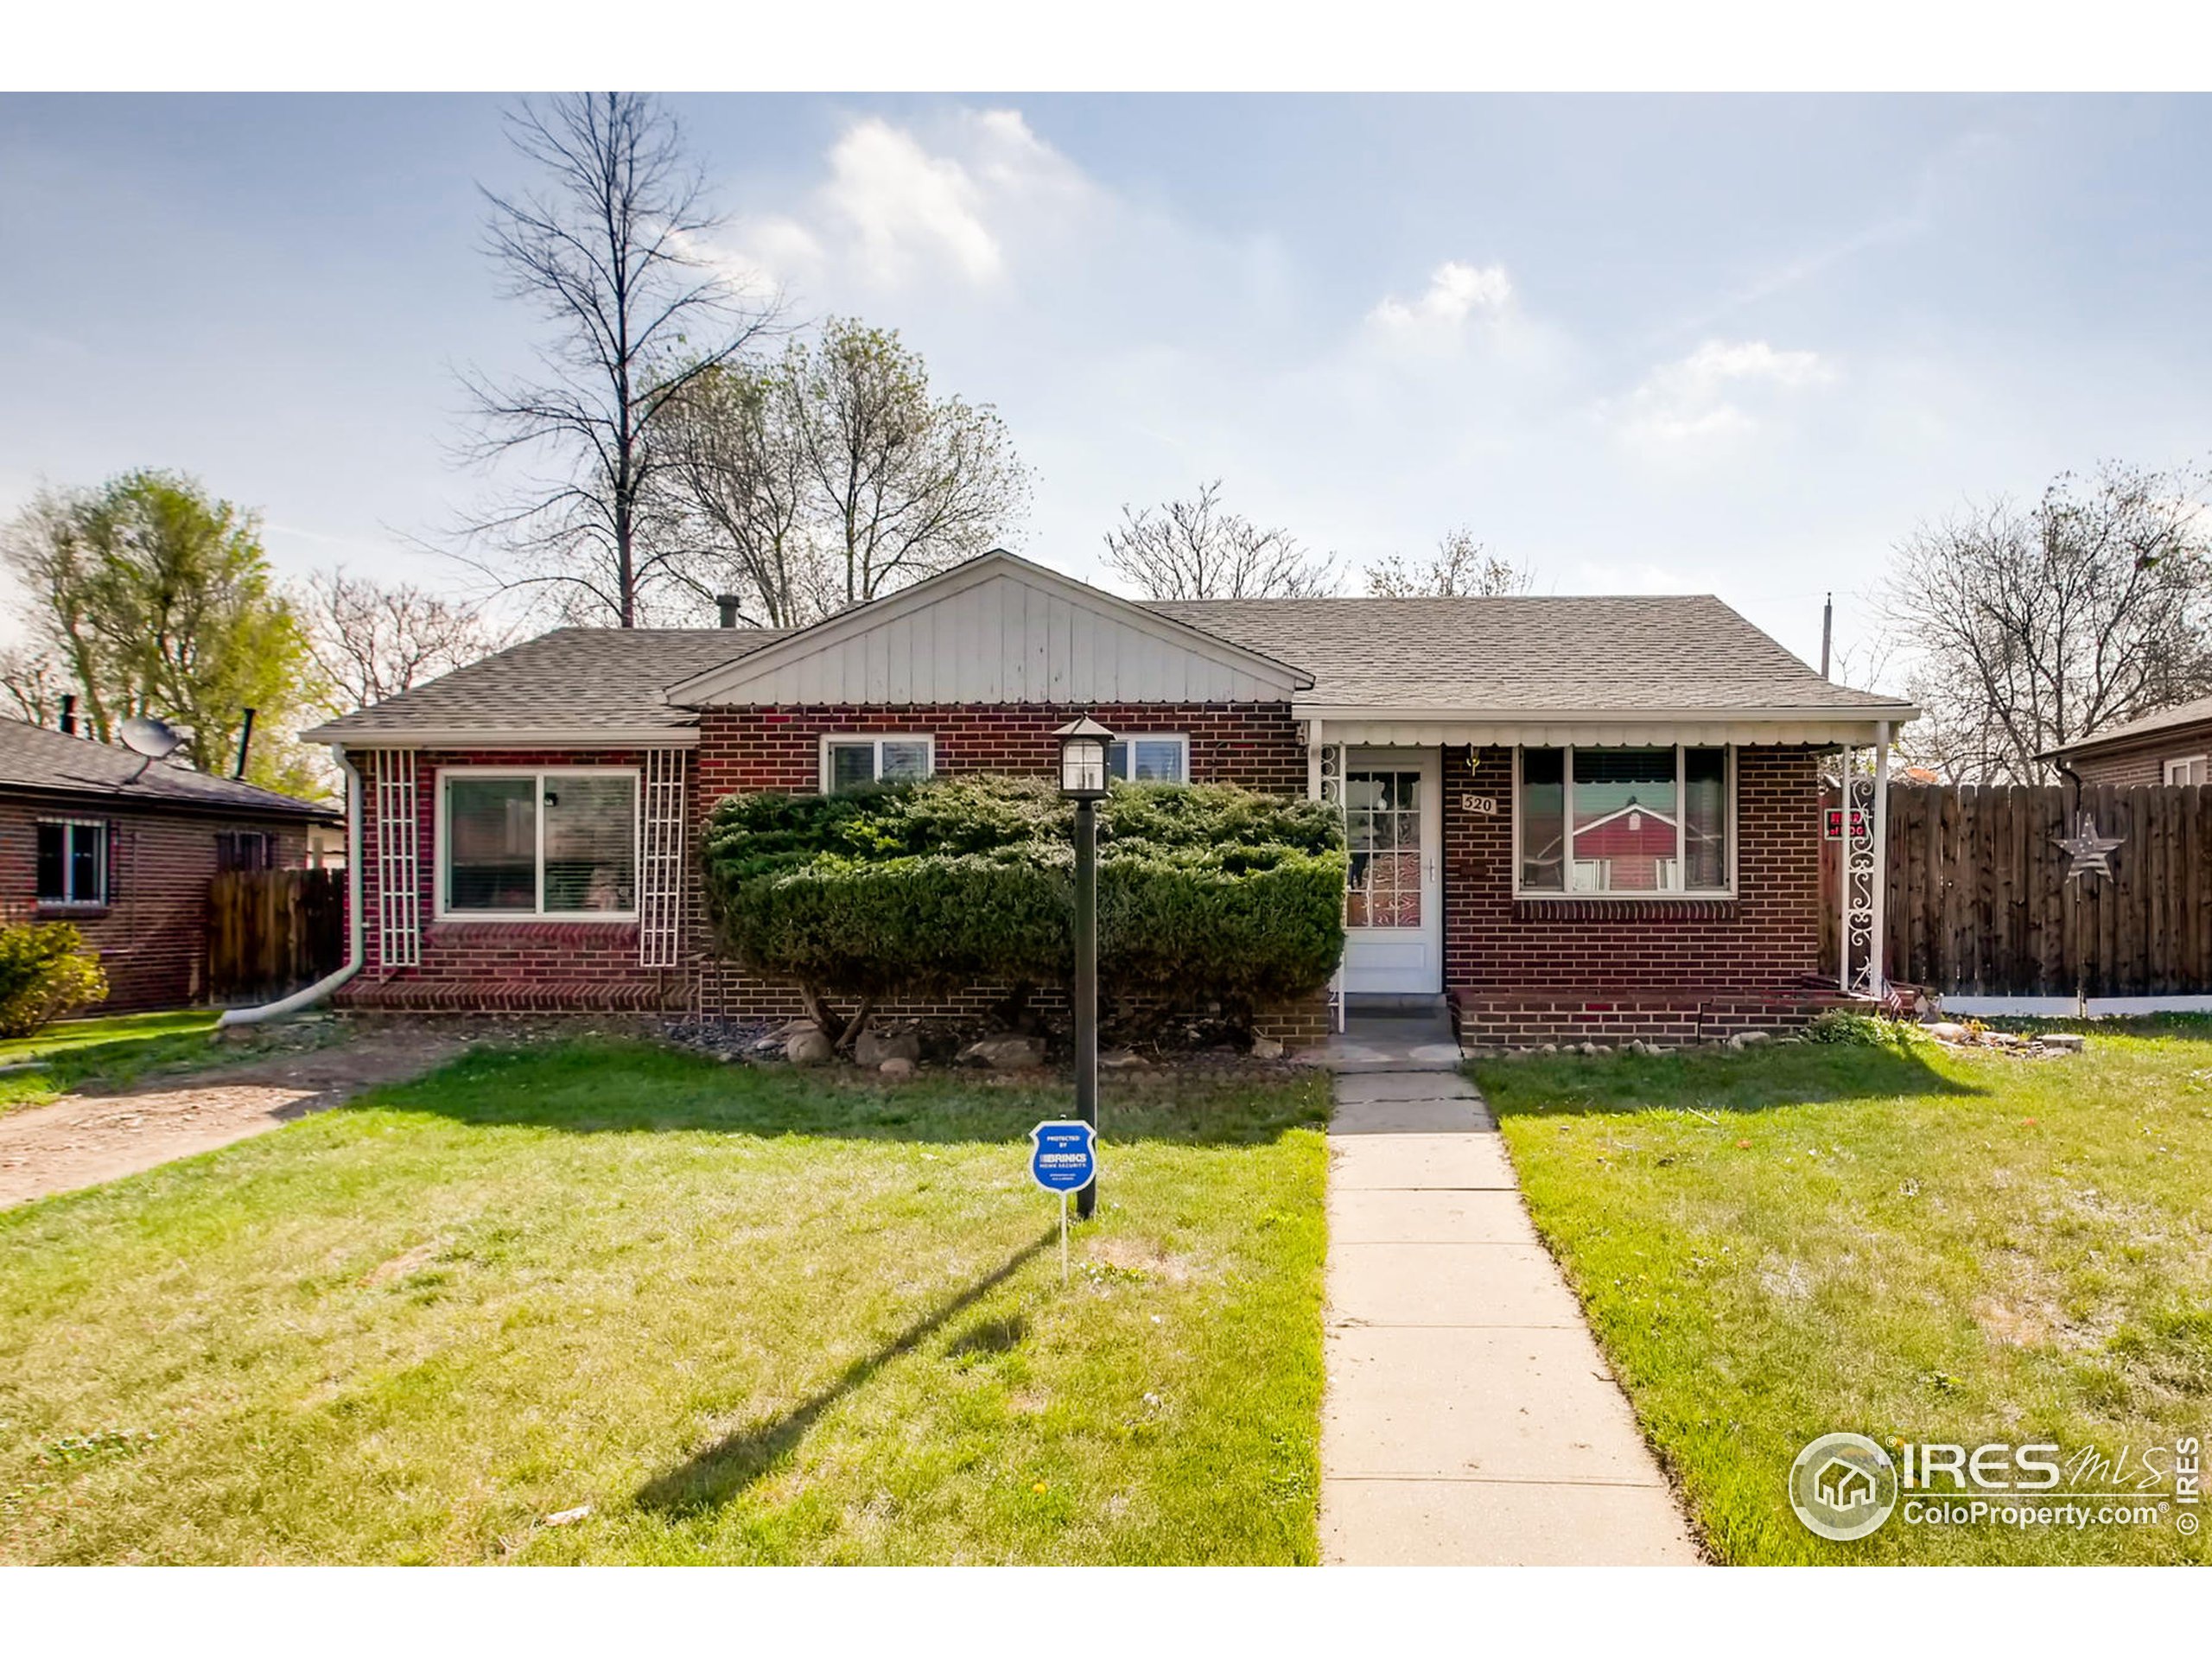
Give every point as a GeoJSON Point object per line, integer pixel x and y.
{"type": "Point", "coordinates": [83, 1139]}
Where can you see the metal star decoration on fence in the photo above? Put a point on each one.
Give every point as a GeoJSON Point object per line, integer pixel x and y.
{"type": "Point", "coordinates": [2091, 852]}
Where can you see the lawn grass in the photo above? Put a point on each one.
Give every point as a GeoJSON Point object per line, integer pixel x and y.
{"type": "Point", "coordinates": [114, 1050]}
{"type": "Point", "coordinates": [745, 1315]}
{"type": "Point", "coordinates": [1911, 1243]}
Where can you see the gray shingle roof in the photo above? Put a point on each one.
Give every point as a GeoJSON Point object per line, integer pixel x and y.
{"type": "Point", "coordinates": [32, 757]}
{"type": "Point", "coordinates": [572, 680]}
{"type": "Point", "coordinates": [2196, 711]}
{"type": "Point", "coordinates": [1527, 653]}
{"type": "Point", "coordinates": [1660, 653]}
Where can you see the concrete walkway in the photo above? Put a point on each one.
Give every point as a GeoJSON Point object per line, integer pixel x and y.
{"type": "Point", "coordinates": [1469, 1417]}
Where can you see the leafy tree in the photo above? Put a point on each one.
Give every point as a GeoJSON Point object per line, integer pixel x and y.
{"type": "Point", "coordinates": [829, 477]}
{"type": "Point", "coordinates": [1194, 549]}
{"type": "Point", "coordinates": [909, 484]}
{"type": "Point", "coordinates": [1460, 567]}
{"type": "Point", "coordinates": [2024, 628]}
{"type": "Point", "coordinates": [609, 250]}
{"type": "Point", "coordinates": [736, 476]}
{"type": "Point", "coordinates": [149, 597]}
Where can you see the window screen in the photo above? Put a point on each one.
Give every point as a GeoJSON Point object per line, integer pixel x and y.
{"type": "Point", "coordinates": [591, 843]}
{"type": "Point", "coordinates": [492, 844]}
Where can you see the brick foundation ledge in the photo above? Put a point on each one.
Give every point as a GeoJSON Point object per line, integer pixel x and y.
{"type": "Point", "coordinates": [409, 995]}
{"type": "Point", "coordinates": [1533, 1014]}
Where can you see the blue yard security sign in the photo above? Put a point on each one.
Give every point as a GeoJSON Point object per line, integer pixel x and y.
{"type": "Point", "coordinates": [1063, 1158]}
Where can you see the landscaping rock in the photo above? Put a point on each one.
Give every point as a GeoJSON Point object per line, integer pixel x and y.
{"type": "Point", "coordinates": [1266, 1048]}
{"type": "Point", "coordinates": [2069, 1042]}
{"type": "Point", "coordinates": [1120, 1060]}
{"type": "Point", "coordinates": [1548, 1048]}
{"type": "Point", "coordinates": [1004, 1054]}
{"type": "Point", "coordinates": [1949, 1031]}
{"type": "Point", "coordinates": [1755, 1039]}
{"type": "Point", "coordinates": [874, 1047]}
{"type": "Point", "coordinates": [898, 1068]}
{"type": "Point", "coordinates": [808, 1047]}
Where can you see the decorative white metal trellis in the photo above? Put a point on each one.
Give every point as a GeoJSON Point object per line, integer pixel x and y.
{"type": "Point", "coordinates": [660, 887]}
{"type": "Point", "coordinates": [399, 897]}
{"type": "Point", "coordinates": [1865, 800]}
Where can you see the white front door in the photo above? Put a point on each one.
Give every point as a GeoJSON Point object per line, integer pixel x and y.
{"type": "Point", "coordinates": [1393, 911]}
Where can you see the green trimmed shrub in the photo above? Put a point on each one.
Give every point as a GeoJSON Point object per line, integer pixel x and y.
{"type": "Point", "coordinates": [46, 973]}
{"type": "Point", "coordinates": [1205, 891]}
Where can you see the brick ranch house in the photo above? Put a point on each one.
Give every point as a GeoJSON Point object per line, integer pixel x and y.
{"type": "Point", "coordinates": [2173, 746]}
{"type": "Point", "coordinates": [1573, 816]}
{"type": "Point", "coordinates": [93, 834]}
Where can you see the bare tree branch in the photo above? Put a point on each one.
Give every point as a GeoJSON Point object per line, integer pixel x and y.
{"type": "Point", "coordinates": [608, 250]}
{"type": "Point", "coordinates": [372, 640]}
{"type": "Point", "coordinates": [1193, 550]}
{"type": "Point", "coordinates": [1460, 567]}
{"type": "Point", "coordinates": [2030, 628]}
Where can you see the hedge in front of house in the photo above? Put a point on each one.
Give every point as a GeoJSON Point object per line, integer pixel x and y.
{"type": "Point", "coordinates": [1205, 891]}
{"type": "Point", "coordinates": [47, 973]}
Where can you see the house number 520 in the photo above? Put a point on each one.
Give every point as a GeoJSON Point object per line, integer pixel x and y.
{"type": "Point", "coordinates": [1486, 804]}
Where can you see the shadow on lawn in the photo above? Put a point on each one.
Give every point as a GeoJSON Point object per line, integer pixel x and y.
{"type": "Point", "coordinates": [730, 1466]}
{"type": "Point", "coordinates": [607, 1088]}
{"type": "Point", "coordinates": [1796, 1074]}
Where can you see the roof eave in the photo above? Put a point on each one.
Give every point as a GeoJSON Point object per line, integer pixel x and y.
{"type": "Point", "coordinates": [505, 737]}
{"type": "Point", "coordinates": [1896, 714]}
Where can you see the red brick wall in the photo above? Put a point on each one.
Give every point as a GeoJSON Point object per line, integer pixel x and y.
{"type": "Point", "coordinates": [2129, 768]}
{"type": "Point", "coordinates": [151, 934]}
{"type": "Point", "coordinates": [506, 965]}
{"type": "Point", "coordinates": [551, 965]}
{"type": "Point", "coordinates": [1541, 968]}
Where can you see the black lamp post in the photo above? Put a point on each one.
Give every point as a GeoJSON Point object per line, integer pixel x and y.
{"type": "Point", "coordinates": [1083, 780]}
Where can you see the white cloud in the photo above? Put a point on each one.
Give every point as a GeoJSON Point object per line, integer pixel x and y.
{"type": "Point", "coordinates": [900, 205]}
{"type": "Point", "coordinates": [1456, 291]}
{"type": "Point", "coordinates": [1720, 390]}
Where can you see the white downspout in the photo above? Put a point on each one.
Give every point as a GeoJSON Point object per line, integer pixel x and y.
{"type": "Point", "coordinates": [323, 987]}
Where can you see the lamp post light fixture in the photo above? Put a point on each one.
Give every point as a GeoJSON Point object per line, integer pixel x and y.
{"type": "Point", "coordinates": [1083, 780]}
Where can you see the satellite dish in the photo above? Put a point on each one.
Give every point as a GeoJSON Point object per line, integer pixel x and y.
{"type": "Point", "coordinates": [144, 734]}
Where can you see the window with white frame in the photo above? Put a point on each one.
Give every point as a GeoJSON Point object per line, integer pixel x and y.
{"type": "Point", "coordinates": [73, 862]}
{"type": "Point", "coordinates": [849, 762]}
{"type": "Point", "coordinates": [1635, 823]}
{"type": "Point", "coordinates": [558, 843]}
{"type": "Point", "coordinates": [1158, 758]}
{"type": "Point", "coordinates": [2193, 770]}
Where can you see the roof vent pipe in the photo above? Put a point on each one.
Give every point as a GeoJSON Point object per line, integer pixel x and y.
{"type": "Point", "coordinates": [728, 603]}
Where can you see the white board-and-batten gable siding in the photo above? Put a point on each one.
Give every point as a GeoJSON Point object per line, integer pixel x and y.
{"type": "Point", "coordinates": [1000, 638]}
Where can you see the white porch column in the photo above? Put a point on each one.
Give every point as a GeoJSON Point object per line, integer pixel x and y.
{"type": "Point", "coordinates": [1843, 874]}
{"type": "Point", "coordinates": [1325, 775]}
{"type": "Point", "coordinates": [1877, 980]}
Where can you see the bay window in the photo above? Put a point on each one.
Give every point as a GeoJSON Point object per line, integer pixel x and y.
{"type": "Point", "coordinates": [515, 844]}
{"type": "Point", "coordinates": [1626, 822]}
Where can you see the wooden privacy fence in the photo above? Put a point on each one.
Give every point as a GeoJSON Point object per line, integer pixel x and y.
{"type": "Point", "coordinates": [271, 931]}
{"type": "Point", "coordinates": [1978, 903]}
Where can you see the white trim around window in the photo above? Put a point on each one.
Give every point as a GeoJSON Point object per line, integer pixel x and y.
{"type": "Point", "coordinates": [101, 856]}
{"type": "Point", "coordinates": [441, 875]}
{"type": "Point", "coordinates": [1128, 745]}
{"type": "Point", "coordinates": [2190, 769]}
{"type": "Point", "coordinates": [1568, 892]}
{"type": "Point", "coordinates": [875, 743]}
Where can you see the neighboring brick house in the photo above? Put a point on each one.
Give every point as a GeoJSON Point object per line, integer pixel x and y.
{"type": "Point", "coordinates": [528, 824]}
{"type": "Point", "coordinates": [2172, 747]}
{"type": "Point", "coordinates": [95, 834]}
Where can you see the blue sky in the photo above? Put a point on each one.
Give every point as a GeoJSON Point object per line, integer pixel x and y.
{"type": "Point", "coordinates": [1739, 345]}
